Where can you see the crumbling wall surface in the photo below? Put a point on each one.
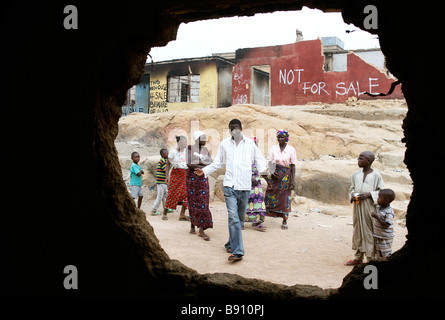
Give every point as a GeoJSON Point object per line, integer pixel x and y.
{"type": "Point", "coordinates": [87, 72]}
{"type": "Point", "coordinates": [297, 76]}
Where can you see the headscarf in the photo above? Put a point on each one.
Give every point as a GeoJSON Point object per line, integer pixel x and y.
{"type": "Point", "coordinates": [284, 133]}
{"type": "Point", "coordinates": [197, 134]}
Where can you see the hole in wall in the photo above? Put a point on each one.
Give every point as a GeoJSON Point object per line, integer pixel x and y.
{"type": "Point", "coordinates": [318, 231]}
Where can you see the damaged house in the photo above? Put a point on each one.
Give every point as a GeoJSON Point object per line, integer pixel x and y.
{"type": "Point", "coordinates": [292, 74]}
{"type": "Point", "coordinates": [186, 84]}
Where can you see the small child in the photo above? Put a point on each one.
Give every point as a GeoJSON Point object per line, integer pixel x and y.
{"type": "Point", "coordinates": [161, 184]}
{"type": "Point", "coordinates": [383, 224]}
{"type": "Point", "coordinates": [136, 178]}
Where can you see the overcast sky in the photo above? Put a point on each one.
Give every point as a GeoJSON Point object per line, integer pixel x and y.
{"type": "Point", "coordinates": [202, 38]}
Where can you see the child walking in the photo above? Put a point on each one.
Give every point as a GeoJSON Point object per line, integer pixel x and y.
{"type": "Point", "coordinates": [383, 224]}
{"type": "Point", "coordinates": [136, 178]}
{"type": "Point", "coordinates": [364, 190]}
{"type": "Point", "coordinates": [161, 184]}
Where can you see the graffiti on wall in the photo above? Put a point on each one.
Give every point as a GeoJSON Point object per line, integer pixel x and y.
{"type": "Point", "coordinates": [240, 85]}
{"type": "Point", "coordinates": [294, 77]}
{"type": "Point", "coordinates": [207, 95]}
{"type": "Point", "coordinates": [158, 97]}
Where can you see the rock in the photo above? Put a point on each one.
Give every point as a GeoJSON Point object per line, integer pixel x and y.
{"type": "Point", "coordinates": [400, 177]}
{"type": "Point", "coordinates": [219, 191]}
{"type": "Point", "coordinates": [352, 101]}
{"type": "Point", "coordinates": [392, 159]}
{"type": "Point", "coordinates": [313, 132]}
{"type": "Point", "coordinates": [326, 157]}
{"type": "Point", "coordinates": [212, 184]}
{"type": "Point", "coordinates": [325, 181]}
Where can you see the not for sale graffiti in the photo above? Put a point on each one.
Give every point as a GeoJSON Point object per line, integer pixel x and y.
{"type": "Point", "coordinates": [295, 78]}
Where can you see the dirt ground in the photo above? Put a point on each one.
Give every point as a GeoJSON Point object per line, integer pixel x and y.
{"type": "Point", "coordinates": [312, 251]}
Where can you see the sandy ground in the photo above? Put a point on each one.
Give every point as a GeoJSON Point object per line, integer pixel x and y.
{"type": "Point", "coordinates": [312, 251]}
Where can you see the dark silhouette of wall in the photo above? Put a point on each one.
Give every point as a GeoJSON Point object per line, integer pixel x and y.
{"type": "Point", "coordinates": [81, 77]}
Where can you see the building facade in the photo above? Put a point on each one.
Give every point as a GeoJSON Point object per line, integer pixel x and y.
{"type": "Point", "coordinates": [292, 74]}
{"type": "Point", "coordinates": [189, 83]}
{"type": "Point", "coordinates": [305, 71]}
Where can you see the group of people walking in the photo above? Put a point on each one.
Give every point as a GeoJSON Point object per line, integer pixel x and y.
{"type": "Point", "coordinates": [186, 169]}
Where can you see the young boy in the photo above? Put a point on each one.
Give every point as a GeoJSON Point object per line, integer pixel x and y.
{"type": "Point", "coordinates": [383, 224]}
{"type": "Point", "coordinates": [364, 190]}
{"type": "Point", "coordinates": [161, 184]}
{"type": "Point", "coordinates": [136, 178]}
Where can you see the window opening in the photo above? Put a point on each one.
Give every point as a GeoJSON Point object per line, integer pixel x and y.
{"type": "Point", "coordinates": [183, 88]}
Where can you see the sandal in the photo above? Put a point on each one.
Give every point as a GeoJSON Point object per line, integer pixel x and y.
{"type": "Point", "coordinates": [155, 213]}
{"type": "Point", "coordinates": [204, 236]}
{"type": "Point", "coordinates": [164, 217]}
{"type": "Point", "coordinates": [353, 263]}
{"type": "Point", "coordinates": [184, 218]}
{"type": "Point", "coordinates": [284, 226]}
{"type": "Point", "coordinates": [260, 227]}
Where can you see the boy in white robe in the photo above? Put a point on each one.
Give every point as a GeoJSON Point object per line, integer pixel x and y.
{"type": "Point", "coordinates": [364, 191]}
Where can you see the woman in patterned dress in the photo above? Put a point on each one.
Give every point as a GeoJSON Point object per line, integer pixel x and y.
{"type": "Point", "coordinates": [280, 184]}
{"type": "Point", "coordinates": [198, 186]}
{"type": "Point", "coordinates": [256, 207]}
{"type": "Point", "coordinates": [177, 193]}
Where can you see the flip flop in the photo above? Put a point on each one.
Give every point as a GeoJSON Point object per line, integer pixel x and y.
{"type": "Point", "coordinates": [164, 218]}
{"type": "Point", "coordinates": [204, 236]}
{"type": "Point", "coordinates": [260, 227]}
{"type": "Point", "coordinates": [353, 263]}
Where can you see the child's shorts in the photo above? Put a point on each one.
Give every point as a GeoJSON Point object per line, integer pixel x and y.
{"type": "Point", "coordinates": [136, 191]}
{"type": "Point", "coordinates": [383, 247]}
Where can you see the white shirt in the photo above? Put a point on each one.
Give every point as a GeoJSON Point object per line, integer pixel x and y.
{"type": "Point", "coordinates": [238, 160]}
{"type": "Point", "coordinates": [284, 158]}
{"type": "Point", "coordinates": [178, 158]}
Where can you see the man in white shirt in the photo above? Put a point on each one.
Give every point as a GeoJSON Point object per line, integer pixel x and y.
{"type": "Point", "coordinates": [236, 152]}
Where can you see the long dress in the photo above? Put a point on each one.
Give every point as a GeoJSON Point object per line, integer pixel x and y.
{"type": "Point", "coordinates": [363, 227]}
{"type": "Point", "coordinates": [278, 195]}
{"type": "Point", "coordinates": [177, 193]}
{"type": "Point", "coordinates": [198, 194]}
{"type": "Point", "coordinates": [278, 192]}
{"type": "Point", "coordinates": [256, 207]}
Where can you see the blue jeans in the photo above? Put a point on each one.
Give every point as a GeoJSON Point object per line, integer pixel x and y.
{"type": "Point", "coordinates": [236, 202]}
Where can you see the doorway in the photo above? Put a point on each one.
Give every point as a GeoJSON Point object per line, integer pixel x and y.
{"type": "Point", "coordinates": [143, 94]}
{"type": "Point", "coordinates": [260, 85]}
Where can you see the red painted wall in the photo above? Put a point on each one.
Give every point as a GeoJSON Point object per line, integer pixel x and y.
{"type": "Point", "coordinates": [297, 76]}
